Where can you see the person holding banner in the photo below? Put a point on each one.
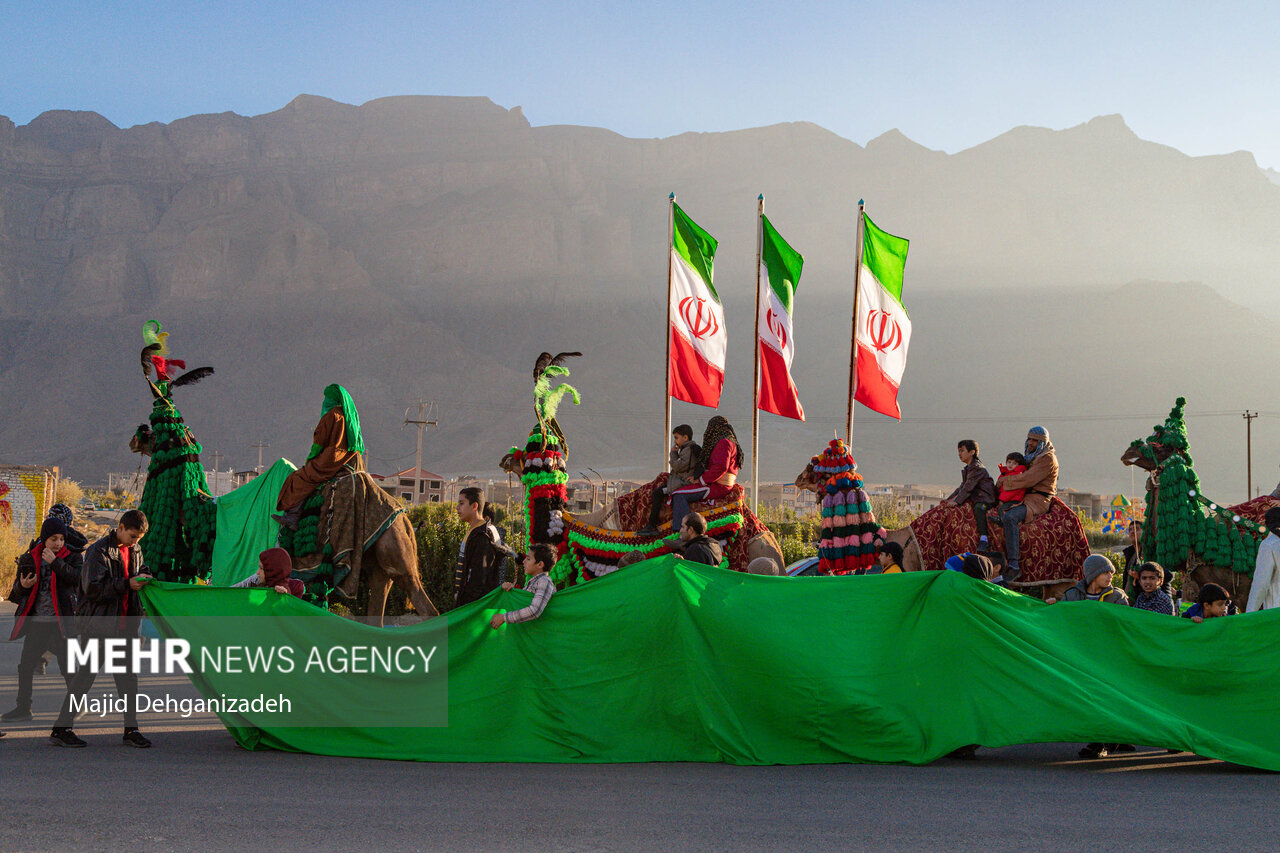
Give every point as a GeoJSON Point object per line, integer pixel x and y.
{"type": "Point", "coordinates": [721, 459]}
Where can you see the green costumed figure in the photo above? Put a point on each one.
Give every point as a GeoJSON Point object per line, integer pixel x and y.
{"type": "Point", "coordinates": [176, 500]}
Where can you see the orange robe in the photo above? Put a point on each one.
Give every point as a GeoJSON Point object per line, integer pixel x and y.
{"type": "Point", "coordinates": [331, 435]}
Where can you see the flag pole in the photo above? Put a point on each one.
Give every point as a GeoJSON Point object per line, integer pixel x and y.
{"type": "Point", "coordinates": [755, 400]}
{"type": "Point", "coordinates": [853, 342]}
{"type": "Point", "coordinates": [666, 325]}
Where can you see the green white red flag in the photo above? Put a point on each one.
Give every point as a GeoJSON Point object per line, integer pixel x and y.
{"type": "Point", "coordinates": [780, 267]}
{"type": "Point", "coordinates": [883, 329]}
{"type": "Point", "coordinates": [695, 372]}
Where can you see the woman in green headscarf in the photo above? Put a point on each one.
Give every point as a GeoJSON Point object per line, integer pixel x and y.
{"type": "Point", "coordinates": [336, 444]}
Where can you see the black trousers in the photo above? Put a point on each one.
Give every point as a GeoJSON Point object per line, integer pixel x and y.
{"type": "Point", "coordinates": [40, 637]}
{"type": "Point", "coordinates": [81, 683]}
{"type": "Point", "coordinates": [980, 517]}
{"type": "Point", "coordinates": [656, 502]}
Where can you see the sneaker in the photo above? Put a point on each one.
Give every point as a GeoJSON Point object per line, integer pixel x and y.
{"type": "Point", "coordinates": [647, 531]}
{"type": "Point", "coordinates": [134, 738]}
{"type": "Point", "coordinates": [983, 543]}
{"type": "Point", "coordinates": [65, 737]}
{"type": "Point", "coordinates": [1012, 573]}
{"type": "Point", "coordinates": [18, 714]}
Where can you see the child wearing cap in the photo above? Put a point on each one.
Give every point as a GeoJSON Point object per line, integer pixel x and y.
{"type": "Point", "coordinates": [890, 557]}
{"type": "Point", "coordinates": [1096, 586]}
{"type": "Point", "coordinates": [47, 576]}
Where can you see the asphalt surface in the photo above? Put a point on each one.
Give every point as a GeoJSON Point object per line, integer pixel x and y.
{"type": "Point", "coordinates": [197, 790]}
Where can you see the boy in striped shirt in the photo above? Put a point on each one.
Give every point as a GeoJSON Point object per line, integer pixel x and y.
{"type": "Point", "coordinates": [540, 558]}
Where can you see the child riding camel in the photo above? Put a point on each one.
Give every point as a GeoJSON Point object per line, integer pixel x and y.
{"type": "Point", "coordinates": [684, 467]}
{"type": "Point", "coordinates": [976, 488]}
{"type": "Point", "coordinates": [721, 459]}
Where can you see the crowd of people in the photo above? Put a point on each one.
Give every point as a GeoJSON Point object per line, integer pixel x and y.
{"type": "Point", "coordinates": [66, 586]}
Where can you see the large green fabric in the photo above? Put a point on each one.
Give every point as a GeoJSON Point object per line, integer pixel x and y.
{"type": "Point", "coordinates": [673, 661]}
{"type": "Point", "coordinates": [245, 527]}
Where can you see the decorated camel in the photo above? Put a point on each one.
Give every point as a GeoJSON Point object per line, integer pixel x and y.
{"type": "Point", "coordinates": [586, 549]}
{"type": "Point", "coordinates": [1186, 531]}
{"type": "Point", "coordinates": [182, 513]}
{"type": "Point", "coordinates": [1053, 546]}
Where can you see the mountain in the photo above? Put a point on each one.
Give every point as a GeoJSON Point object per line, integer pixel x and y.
{"type": "Point", "coordinates": [433, 246]}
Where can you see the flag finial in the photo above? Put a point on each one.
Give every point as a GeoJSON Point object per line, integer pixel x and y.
{"type": "Point", "coordinates": [672, 197]}
{"type": "Point", "coordinates": [861, 202]}
{"type": "Point", "coordinates": [760, 197]}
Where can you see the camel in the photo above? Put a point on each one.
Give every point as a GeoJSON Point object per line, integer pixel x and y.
{"type": "Point", "coordinates": [1050, 580]}
{"type": "Point", "coordinates": [912, 558]}
{"type": "Point", "coordinates": [1207, 541]}
{"type": "Point", "coordinates": [181, 512]}
{"type": "Point", "coordinates": [591, 545]}
{"type": "Point", "coordinates": [393, 558]}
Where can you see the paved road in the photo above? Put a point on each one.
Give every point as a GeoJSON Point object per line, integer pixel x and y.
{"type": "Point", "coordinates": [196, 789]}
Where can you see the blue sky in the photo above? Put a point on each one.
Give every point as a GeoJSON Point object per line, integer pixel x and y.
{"type": "Point", "coordinates": [1200, 77]}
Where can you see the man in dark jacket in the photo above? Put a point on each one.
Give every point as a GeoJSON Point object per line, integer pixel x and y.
{"type": "Point", "coordinates": [47, 574]}
{"type": "Point", "coordinates": [479, 558]}
{"type": "Point", "coordinates": [109, 608]}
{"type": "Point", "coordinates": [698, 546]}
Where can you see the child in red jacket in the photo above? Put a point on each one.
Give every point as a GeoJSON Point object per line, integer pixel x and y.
{"type": "Point", "coordinates": [1015, 463]}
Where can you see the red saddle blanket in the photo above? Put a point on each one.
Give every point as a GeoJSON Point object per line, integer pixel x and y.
{"type": "Point", "coordinates": [1052, 548]}
{"type": "Point", "coordinates": [633, 507]}
{"type": "Point", "coordinates": [1255, 509]}
{"type": "Point", "coordinates": [633, 514]}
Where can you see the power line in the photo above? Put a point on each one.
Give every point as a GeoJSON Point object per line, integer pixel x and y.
{"type": "Point", "coordinates": [641, 414]}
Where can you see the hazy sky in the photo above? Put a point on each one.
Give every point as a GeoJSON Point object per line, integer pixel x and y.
{"type": "Point", "coordinates": [1203, 78]}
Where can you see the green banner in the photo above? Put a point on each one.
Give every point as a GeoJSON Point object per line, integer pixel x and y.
{"type": "Point", "coordinates": [244, 524]}
{"type": "Point", "coordinates": [672, 661]}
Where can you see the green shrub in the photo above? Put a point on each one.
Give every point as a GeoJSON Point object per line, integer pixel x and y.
{"type": "Point", "coordinates": [795, 548]}
{"type": "Point", "coordinates": [440, 533]}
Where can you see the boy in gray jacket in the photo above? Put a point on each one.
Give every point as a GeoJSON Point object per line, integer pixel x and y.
{"type": "Point", "coordinates": [684, 457]}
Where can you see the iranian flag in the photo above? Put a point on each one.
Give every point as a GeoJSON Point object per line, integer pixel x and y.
{"type": "Point", "coordinates": [695, 373]}
{"type": "Point", "coordinates": [883, 328]}
{"type": "Point", "coordinates": [779, 276]}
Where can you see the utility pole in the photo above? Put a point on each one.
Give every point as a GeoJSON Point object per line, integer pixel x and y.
{"type": "Point", "coordinates": [259, 445]}
{"type": "Point", "coordinates": [1248, 443]}
{"type": "Point", "coordinates": [605, 483]}
{"type": "Point", "coordinates": [594, 488]}
{"type": "Point", "coordinates": [422, 422]}
{"type": "Point", "coordinates": [216, 456]}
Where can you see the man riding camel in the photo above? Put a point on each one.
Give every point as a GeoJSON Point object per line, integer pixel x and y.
{"type": "Point", "coordinates": [337, 444]}
{"type": "Point", "coordinates": [1041, 483]}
